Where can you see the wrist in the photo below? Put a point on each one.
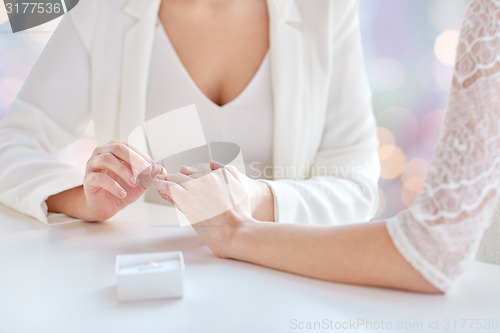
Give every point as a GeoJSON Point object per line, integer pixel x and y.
{"type": "Point", "coordinates": [71, 202]}
{"type": "Point", "coordinates": [243, 238]}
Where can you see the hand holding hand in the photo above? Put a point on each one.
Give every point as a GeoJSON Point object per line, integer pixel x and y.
{"type": "Point", "coordinates": [259, 193]}
{"type": "Point", "coordinates": [216, 203]}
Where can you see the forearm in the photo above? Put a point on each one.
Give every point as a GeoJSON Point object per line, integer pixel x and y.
{"type": "Point", "coordinates": [361, 254]}
{"type": "Point", "coordinates": [71, 202]}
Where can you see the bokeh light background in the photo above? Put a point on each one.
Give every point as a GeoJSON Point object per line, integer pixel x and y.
{"type": "Point", "coordinates": [409, 50]}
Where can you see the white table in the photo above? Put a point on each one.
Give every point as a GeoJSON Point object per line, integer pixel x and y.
{"type": "Point", "coordinates": [61, 279]}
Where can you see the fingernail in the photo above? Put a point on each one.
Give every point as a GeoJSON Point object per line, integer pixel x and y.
{"type": "Point", "coordinates": [133, 181]}
{"type": "Point", "coordinates": [123, 194]}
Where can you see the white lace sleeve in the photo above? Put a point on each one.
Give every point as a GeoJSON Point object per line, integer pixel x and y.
{"type": "Point", "coordinates": [440, 233]}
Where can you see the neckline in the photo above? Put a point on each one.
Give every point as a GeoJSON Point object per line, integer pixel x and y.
{"type": "Point", "coordinates": [179, 63]}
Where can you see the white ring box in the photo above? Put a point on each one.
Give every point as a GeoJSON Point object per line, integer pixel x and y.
{"type": "Point", "coordinates": [149, 276]}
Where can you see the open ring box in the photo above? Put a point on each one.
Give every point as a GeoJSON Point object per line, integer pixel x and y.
{"type": "Point", "coordinates": [150, 276]}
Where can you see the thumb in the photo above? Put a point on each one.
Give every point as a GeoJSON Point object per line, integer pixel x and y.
{"type": "Point", "coordinates": [215, 165]}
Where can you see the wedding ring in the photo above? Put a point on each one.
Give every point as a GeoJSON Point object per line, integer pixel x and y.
{"type": "Point", "coordinates": [149, 265]}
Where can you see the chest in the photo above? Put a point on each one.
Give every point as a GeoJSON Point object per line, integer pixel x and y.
{"type": "Point", "coordinates": [220, 47]}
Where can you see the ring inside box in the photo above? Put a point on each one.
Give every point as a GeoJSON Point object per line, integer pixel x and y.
{"type": "Point", "coordinates": [150, 276]}
{"type": "Point", "coordinates": [163, 265]}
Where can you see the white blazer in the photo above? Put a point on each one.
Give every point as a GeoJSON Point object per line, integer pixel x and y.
{"type": "Point", "coordinates": [96, 65]}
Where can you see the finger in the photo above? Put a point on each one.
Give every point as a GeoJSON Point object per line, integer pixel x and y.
{"type": "Point", "coordinates": [165, 185]}
{"type": "Point", "coordinates": [147, 179]}
{"type": "Point", "coordinates": [126, 154]}
{"type": "Point", "coordinates": [215, 165]}
{"type": "Point", "coordinates": [108, 161]}
{"type": "Point", "coordinates": [179, 178]}
{"type": "Point", "coordinates": [178, 195]}
{"type": "Point", "coordinates": [197, 168]}
{"type": "Point", "coordinates": [162, 185]}
{"type": "Point", "coordinates": [198, 175]}
{"type": "Point", "coordinates": [166, 197]}
{"type": "Point", "coordinates": [145, 156]}
{"type": "Point", "coordinates": [156, 168]}
{"type": "Point", "coordinates": [167, 189]}
{"type": "Point", "coordinates": [233, 171]}
{"type": "Point", "coordinates": [162, 170]}
{"type": "Point", "coordinates": [102, 180]}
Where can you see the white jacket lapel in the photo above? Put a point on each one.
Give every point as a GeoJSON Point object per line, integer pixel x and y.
{"type": "Point", "coordinates": [136, 55]}
{"type": "Point", "coordinates": [287, 64]}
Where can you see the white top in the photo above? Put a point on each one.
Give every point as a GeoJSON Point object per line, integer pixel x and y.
{"type": "Point", "coordinates": [247, 120]}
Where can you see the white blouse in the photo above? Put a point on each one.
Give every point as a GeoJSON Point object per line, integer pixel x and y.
{"type": "Point", "coordinates": [247, 120]}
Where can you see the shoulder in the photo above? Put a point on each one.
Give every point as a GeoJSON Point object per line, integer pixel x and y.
{"type": "Point", "coordinates": [326, 17]}
{"type": "Point", "coordinates": [88, 15]}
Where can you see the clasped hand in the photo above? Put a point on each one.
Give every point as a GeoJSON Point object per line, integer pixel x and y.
{"type": "Point", "coordinates": [216, 200]}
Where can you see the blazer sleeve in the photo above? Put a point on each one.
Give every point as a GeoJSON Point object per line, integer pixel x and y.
{"type": "Point", "coordinates": [343, 183]}
{"type": "Point", "coordinates": [50, 112]}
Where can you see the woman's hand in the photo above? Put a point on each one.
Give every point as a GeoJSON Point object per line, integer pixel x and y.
{"type": "Point", "coordinates": [216, 203]}
{"type": "Point", "coordinates": [260, 195]}
{"type": "Point", "coordinates": [114, 177]}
